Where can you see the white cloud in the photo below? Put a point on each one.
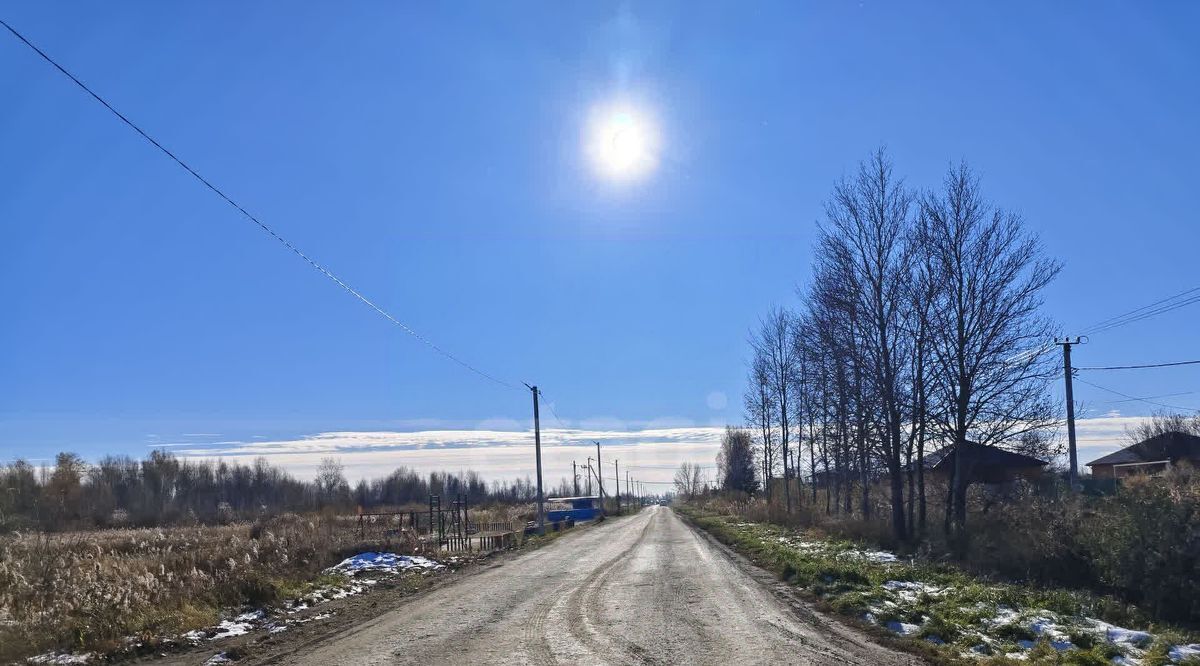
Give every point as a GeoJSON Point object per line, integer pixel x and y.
{"type": "Point", "coordinates": [504, 451]}
{"type": "Point", "coordinates": [495, 454]}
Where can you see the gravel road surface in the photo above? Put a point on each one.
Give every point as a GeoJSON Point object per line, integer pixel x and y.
{"type": "Point", "coordinates": [647, 589]}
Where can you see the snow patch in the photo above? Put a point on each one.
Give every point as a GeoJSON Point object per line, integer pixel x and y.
{"type": "Point", "coordinates": [903, 628]}
{"type": "Point", "coordinates": [387, 562]}
{"type": "Point", "coordinates": [910, 591]}
{"type": "Point", "coordinates": [61, 658]}
{"type": "Point", "coordinates": [1120, 635]}
{"type": "Point", "coordinates": [1181, 652]}
{"type": "Point", "coordinates": [876, 556]}
{"type": "Point", "coordinates": [238, 626]}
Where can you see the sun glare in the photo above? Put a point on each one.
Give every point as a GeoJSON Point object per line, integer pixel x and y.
{"type": "Point", "coordinates": [622, 143]}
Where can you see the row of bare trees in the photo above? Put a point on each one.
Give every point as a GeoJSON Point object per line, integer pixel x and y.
{"type": "Point", "coordinates": [163, 489]}
{"type": "Point", "coordinates": [920, 327]}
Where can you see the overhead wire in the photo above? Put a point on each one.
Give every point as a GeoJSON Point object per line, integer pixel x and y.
{"type": "Point", "coordinates": [1149, 397]}
{"type": "Point", "coordinates": [264, 227]}
{"type": "Point", "coordinates": [550, 405]}
{"type": "Point", "coordinates": [1146, 311]}
{"type": "Point", "coordinates": [1135, 398]}
{"type": "Point", "coordinates": [1138, 367]}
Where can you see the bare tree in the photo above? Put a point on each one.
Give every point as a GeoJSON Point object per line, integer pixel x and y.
{"type": "Point", "coordinates": [762, 413]}
{"type": "Point", "coordinates": [1163, 423]}
{"type": "Point", "coordinates": [689, 480]}
{"type": "Point", "coordinates": [990, 275]}
{"type": "Point", "coordinates": [331, 480]}
{"type": "Point", "coordinates": [864, 246]}
{"type": "Point", "coordinates": [774, 344]}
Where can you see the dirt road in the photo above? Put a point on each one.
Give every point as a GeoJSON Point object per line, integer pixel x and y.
{"type": "Point", "coordinates": [645, 589]}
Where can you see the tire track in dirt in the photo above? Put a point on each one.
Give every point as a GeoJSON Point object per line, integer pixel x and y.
{"type": "Point", "coordinates": [646, 589]}
{"type": "Point", "coordinates": [579, 625]}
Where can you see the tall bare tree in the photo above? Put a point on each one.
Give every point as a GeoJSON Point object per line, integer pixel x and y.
{"type": "Point", "coordinates": [762, 413]}
{"type": "Point", "coordinates": [864, 243]}
{"type": "Point", "coordinates": [990, 274]}
{"type": "Point", "coordinates": [774, 344]}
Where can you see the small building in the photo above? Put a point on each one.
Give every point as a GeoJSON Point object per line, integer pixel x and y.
{"type": "Point", "coordinates": [581, 508]}
{"type": "Point", "coordinates": [983, 463]}
{"type": "Point", "coordinates": [1152, 457]}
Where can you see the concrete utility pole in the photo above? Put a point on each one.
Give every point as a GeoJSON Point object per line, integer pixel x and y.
{"type": "Point", "coordinates": [575, 478]}
{"type": "Point", "coordinates": [537, 448]}
{"type": "Point", "coordinates": [1066, 343]}
{"type": "Point", "coordinates": [617, 480]}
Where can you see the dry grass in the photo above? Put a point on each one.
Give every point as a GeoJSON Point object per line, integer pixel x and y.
{"type": "Point", "coordinates": [92, 590]}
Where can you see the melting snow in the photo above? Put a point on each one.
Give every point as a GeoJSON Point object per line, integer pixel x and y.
{"type": "Point", "coordinates": [876, 556]}
{"type": "Point", "coordinates": [910, 591]}
{"type": "Point", "coordinates": [903, 628]}
{"type": "Point", "coordinates": [218, 658]}
{"type": "Point", "coordinates": [63, 658]}
{"type": "Point", "coordinates": [1122, 636]}
{"type": "Point", "coordinates": [238, 626]}
{"type": "Point", "coordinates": [389, 562]}
{"type": "Point", "coordinates": [1181, 652]}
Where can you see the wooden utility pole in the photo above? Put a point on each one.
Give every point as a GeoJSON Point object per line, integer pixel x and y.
{"type": "Point", "coordinates": [575, 478]}
{"type": "Point", "coordinates": [628, 492]}
{"type": "Point", "coordinates": [1073, 475]}
{"type": "Point", "coordinates": [589, 477]}
{"type": "Point", "coordinates": [617, 480]}
{"type": "Point", "coordinates": [537, 449]}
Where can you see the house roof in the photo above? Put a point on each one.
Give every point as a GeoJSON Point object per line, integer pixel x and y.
{"type": "Point", "coordinates": [980, 455]}
{"type": "Point", "coordinates": [1166, 446]}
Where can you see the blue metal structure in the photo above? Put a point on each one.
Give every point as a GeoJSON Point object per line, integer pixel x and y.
{"type": "Point", "coordinates": [582, 508]}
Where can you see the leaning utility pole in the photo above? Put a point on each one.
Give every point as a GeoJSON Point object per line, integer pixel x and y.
{"type": "Point", "coordinates": [617, 480]}
{"type": "Point", "coordinates": [1066, 343]}
{"type": "Point", "coordinates": [537, 448]}
{"type": "Point", "coordinates": [575, 478]}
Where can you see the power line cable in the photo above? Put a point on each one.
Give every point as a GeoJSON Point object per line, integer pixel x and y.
{"type": "Point", "coordinates": [285, 242]}
{"type": "Point", "coordinates": [1150, 397]}
{"type": "Point", "coordinates": [1130, 397]}
{"type": "Point", "coordinates": [550, 405]}
{"type": "Point", "coordinates": [665, 468]}
{"type": "Point", "coordinates": [1138, 367]}
{"type": "Point", "coordinates": [1146, 311]}
{"type": "Point", "coordinates": [1144, 307]}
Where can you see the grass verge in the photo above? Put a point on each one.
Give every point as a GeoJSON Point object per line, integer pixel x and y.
{"type": "Point", "coordinates": [946, 615]}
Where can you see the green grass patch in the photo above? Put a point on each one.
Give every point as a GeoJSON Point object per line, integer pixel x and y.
{"type": "Point", "coordinates": [947, 603]}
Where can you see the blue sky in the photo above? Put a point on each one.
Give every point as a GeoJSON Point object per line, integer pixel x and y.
{"type": "Point", "coordinates": [433, 158]}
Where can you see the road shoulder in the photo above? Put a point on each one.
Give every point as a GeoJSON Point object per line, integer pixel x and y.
{"type": "Point", "coordinates": [862, 637]}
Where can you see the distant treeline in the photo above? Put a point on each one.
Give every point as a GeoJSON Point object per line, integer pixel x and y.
{"type": "Point", "coordinates": [162, 489]}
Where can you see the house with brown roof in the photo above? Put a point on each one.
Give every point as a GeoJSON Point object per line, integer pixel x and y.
{"type": "Point", "coordinates": [1152, 457]}
{"type": "Point", "coordinates": [983, 463]}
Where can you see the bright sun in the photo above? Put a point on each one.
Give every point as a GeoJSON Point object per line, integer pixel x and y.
{"type": "Point", "coordinates": [621, 143]}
